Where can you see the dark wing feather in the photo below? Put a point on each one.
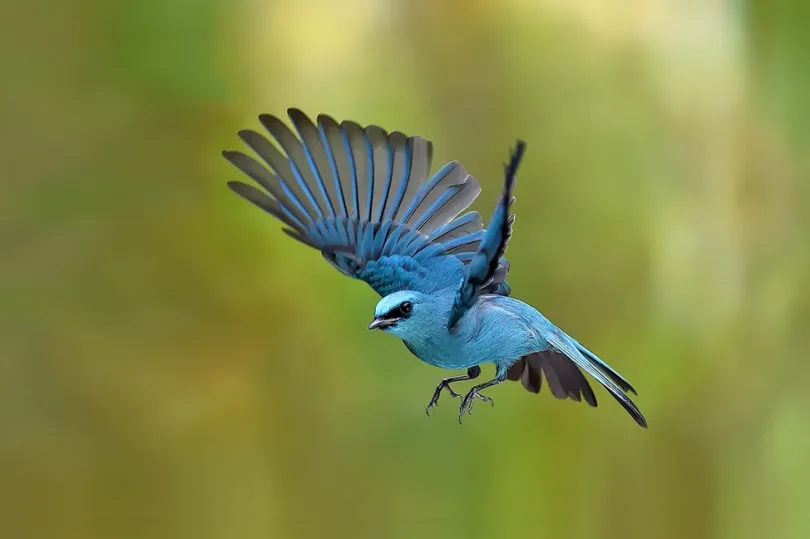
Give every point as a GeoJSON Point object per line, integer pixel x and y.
{"type": "Point", "coordinates": [485, 263]}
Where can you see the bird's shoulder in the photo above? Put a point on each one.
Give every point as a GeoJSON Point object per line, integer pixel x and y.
{"type": "Point", "coordinates": [388, 274]}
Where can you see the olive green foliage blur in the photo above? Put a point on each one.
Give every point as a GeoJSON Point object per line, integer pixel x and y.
{"type": "Point", "coordinates": [172, 365]}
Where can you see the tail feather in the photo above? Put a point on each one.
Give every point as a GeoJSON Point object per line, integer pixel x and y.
{"type": "Point", "coordinates": [561, 364]}
{"type": "Point", "coordinates": [617, 378]}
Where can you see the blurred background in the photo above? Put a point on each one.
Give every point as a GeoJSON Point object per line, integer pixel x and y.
{"type": "Point", "coordinates": [172, 365]}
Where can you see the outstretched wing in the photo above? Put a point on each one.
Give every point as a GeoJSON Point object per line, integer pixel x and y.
{"type": "Point", "coordinates": [484, 268]}
{"type": "Point", "coordinates": [362, 197]}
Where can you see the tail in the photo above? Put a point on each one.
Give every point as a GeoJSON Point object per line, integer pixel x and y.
{"type": "Point", "coordinates": [561, 364]}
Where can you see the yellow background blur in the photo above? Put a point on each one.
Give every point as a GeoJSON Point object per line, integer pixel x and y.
{"type": "Point", "coordinates": [172, 365]}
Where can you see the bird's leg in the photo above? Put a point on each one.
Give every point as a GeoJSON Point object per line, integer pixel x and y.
{"type": "Point", "coordinates": [472, 373]}
{"type": "Point", "coordinates": [474, 393]}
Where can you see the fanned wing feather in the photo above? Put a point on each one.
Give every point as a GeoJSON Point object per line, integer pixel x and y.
{"type": "Point", "coordinates": [363, 198]}
{"type": "Point", "coordinates": [466, 224]}
{"type": "Point", "coordinates": [317, 159]}
{"type": "Point", "coordinates": [464, 244]}
{"type": "Point", "coordinates": [448, 205]}
{"type": "Point", "coordinates": [383, 163]}
{"type": "Point", "coordinates": [268, 204]}
{"type": "Point", "coordinates": [300, 165]}
{"type": "Point", "coordinates": [449, 189]}
{"type": "Point", "coordinates": [361, 160]}
{"type": "Point", "coordinates": [340, 162]}
{"type": "Point", "coordinates": [421, 159]}
{"type": "Point", "coordinates": [402, 150]}
{"type": "Point", "coordinates": [290, 204]}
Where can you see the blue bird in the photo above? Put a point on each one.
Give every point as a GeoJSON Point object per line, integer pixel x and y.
{"type": "Point", "coordinates": [364, 198]}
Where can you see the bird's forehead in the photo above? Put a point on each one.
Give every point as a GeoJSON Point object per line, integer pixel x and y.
{"type": "Point", "coordinates": [392, 301]}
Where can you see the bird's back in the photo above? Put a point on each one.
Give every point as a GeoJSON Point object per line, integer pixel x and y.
{"type": "Point", "coordinates": [501, 329]}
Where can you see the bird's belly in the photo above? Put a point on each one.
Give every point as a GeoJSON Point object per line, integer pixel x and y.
{"type": "Point", "coordinates": [447, 357]}
{"type": "Point", "coordinates": [449, 362]}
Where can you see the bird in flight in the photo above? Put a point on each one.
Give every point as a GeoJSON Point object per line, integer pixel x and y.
{"type": "Point", "coordinates": [365, 199]}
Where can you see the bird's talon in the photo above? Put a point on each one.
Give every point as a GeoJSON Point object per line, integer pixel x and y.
{"type": "Point", "coordinates": [431, 404]}
{"type": "Point", "coordinates": [434, 401]}
{"type": "Point", "coordinates": [467, 403]}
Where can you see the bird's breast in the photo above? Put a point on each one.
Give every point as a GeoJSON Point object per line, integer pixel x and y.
{"type": "Point", "coordinates": [446, 353]}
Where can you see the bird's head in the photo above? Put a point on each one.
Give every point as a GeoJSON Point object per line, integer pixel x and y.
{"type": "Point", "coordinates": [401, 313]}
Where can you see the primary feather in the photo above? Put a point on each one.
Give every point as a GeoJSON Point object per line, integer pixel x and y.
{"type": "Point", "coordinates": [365, 199]}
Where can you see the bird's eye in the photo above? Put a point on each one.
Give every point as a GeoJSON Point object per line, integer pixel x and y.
{"type": "Point", "coordinates": [406, 308]}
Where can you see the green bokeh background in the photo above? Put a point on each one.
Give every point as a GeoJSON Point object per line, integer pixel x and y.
{"type": "Point", "coordinates": [172, 365]}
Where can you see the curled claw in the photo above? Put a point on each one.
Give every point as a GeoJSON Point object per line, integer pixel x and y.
{"type": "Point", "coordinates": [471, 374]}
{"type": "Point", "coordinates": [485, 399]}
{"type": "Point", "coordinates": [467, 402]}
{"type": "Point", "coordinates": [434, 402]}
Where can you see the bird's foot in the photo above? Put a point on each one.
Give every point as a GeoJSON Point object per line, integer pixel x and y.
{"type": "Point", "coordinates": [444, 384]}
{"type": "Point", "coordinates": [467, 402]}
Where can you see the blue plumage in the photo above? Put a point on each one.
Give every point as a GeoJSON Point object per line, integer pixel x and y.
{"type": "Point", "coordinates": [363, 198]}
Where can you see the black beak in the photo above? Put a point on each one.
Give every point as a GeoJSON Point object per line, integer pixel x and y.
{"type": "Point", "coordinates": [382, 323]}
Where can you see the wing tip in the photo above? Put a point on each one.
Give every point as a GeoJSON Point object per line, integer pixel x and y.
{"type": "Point", "coordinates": [376, 130]}
{"type": "Point", "coordinates": [293, 112]}
{"type": "Point", "coordinates": [235, 185]}
{"type": "Point", "coordinates": [350, 123]}
{"type": "Point", "coordinates": [324, 119]}
{"type": "Point", "coordinates": [514, 162]}
{"type": "Point", "coordinates": [249, 135]}
{"type": "Point", "coordinates": [270, 122]}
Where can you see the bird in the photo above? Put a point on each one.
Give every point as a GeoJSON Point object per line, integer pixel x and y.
{"type": "Point", "coordinates": [364, 197]}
